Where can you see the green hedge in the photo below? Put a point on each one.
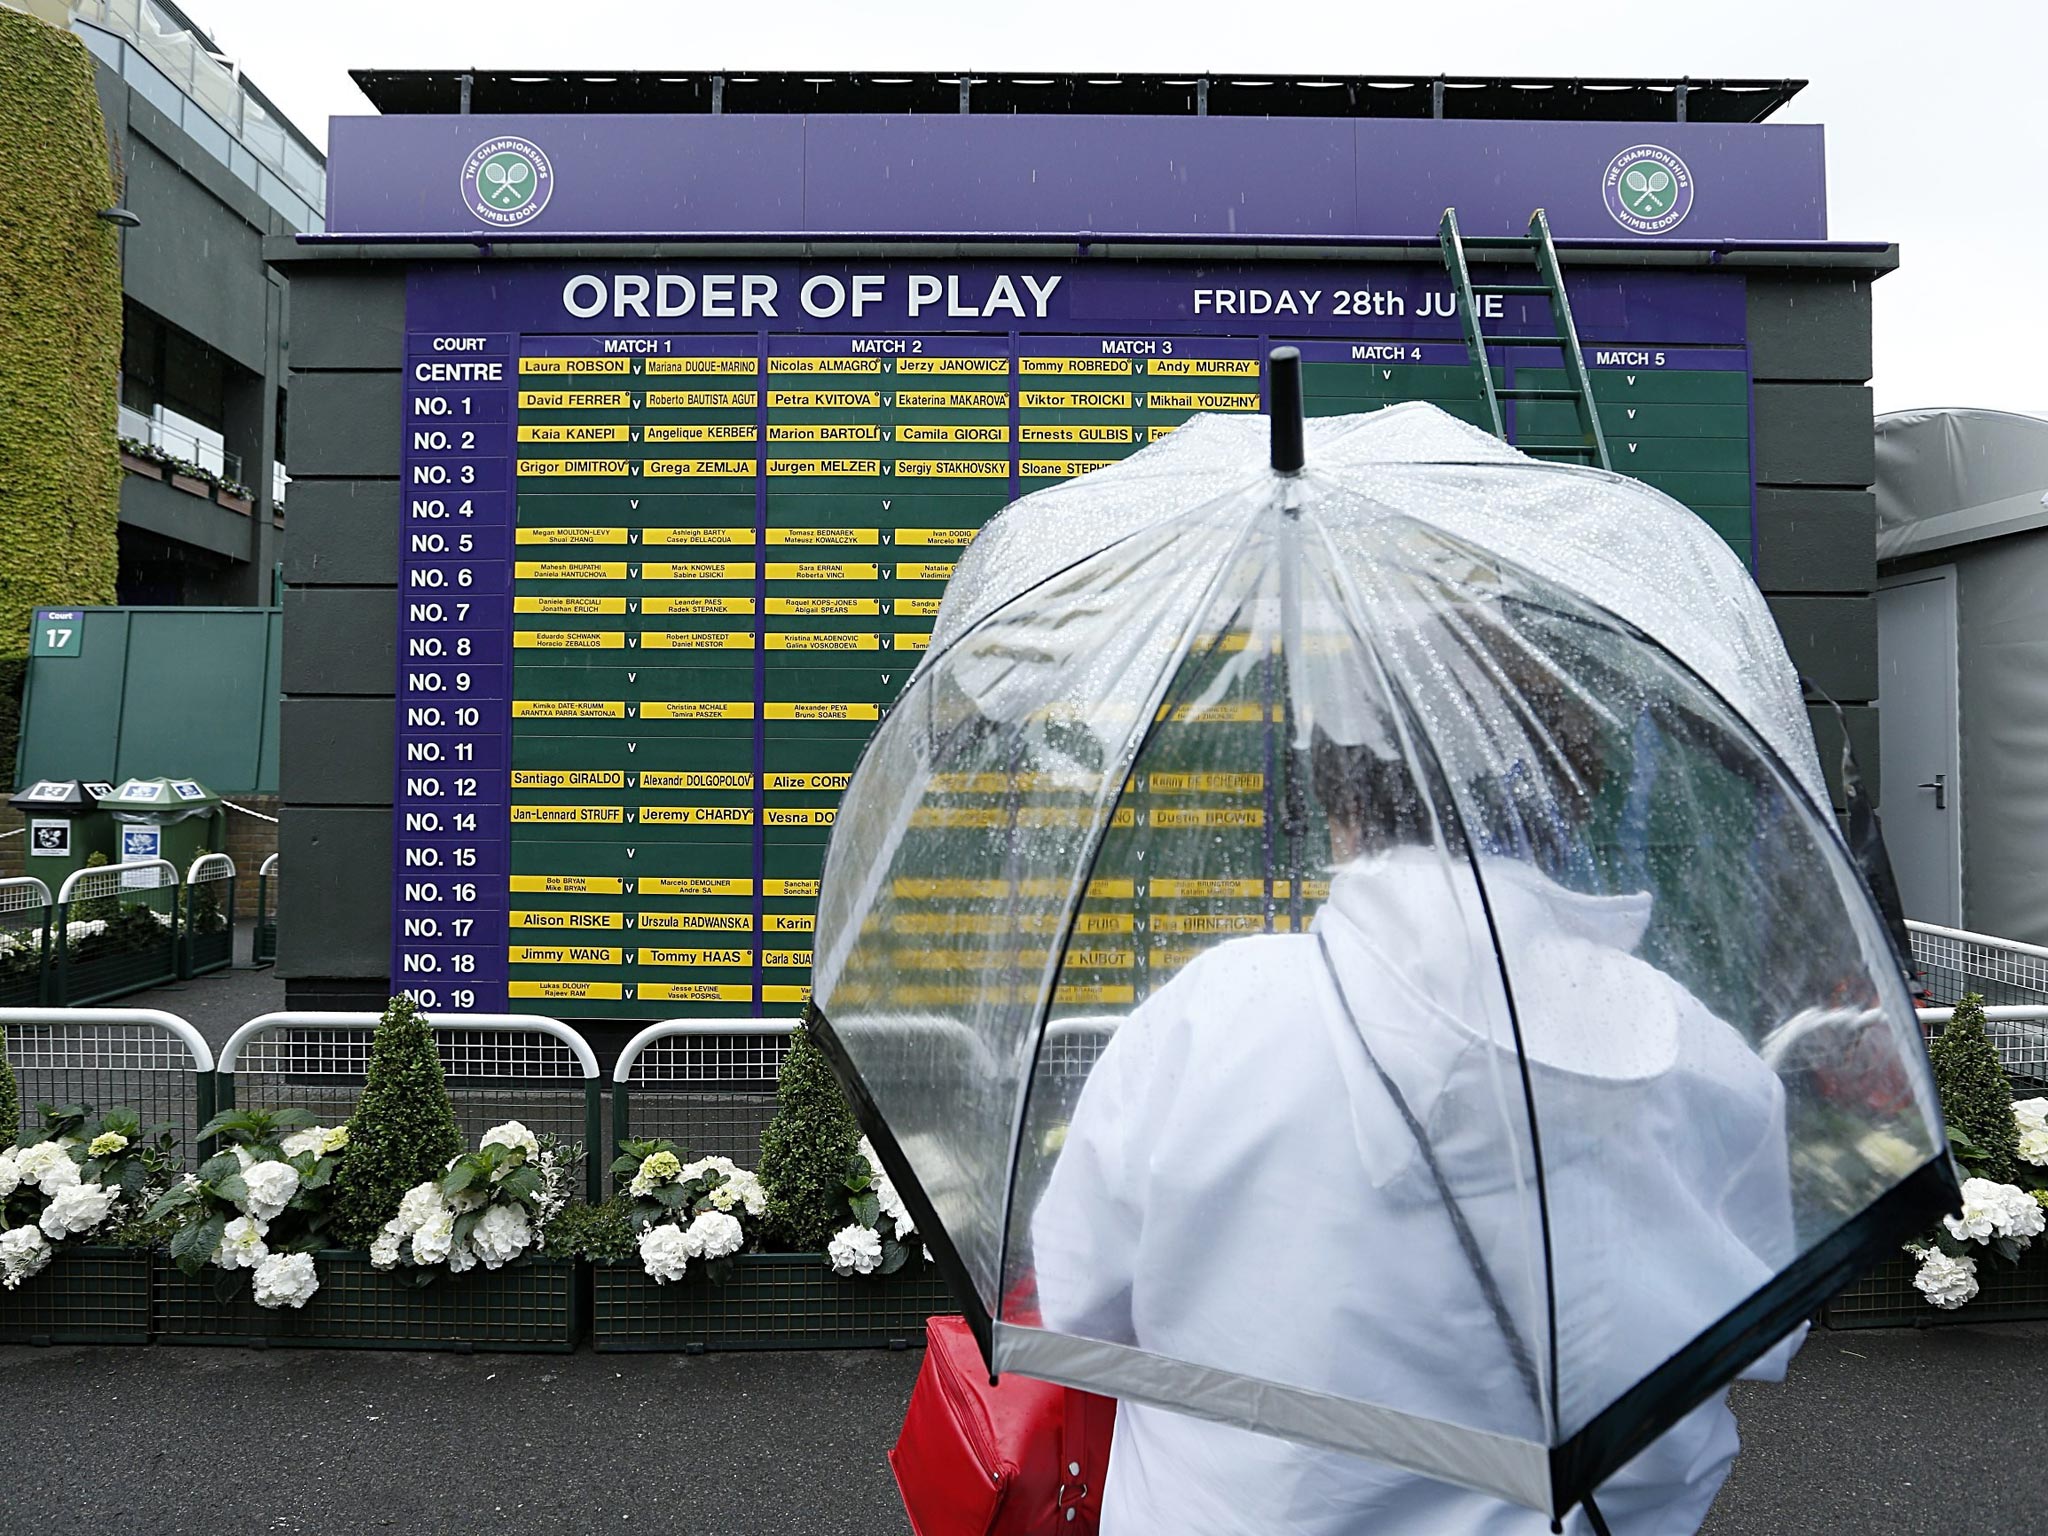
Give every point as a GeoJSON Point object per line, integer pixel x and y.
{"type": "Point", "coordinates": [60, 334]}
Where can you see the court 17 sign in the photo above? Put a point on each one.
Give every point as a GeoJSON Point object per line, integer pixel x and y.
{"type": "Point", "coordinates": [1647, 189]}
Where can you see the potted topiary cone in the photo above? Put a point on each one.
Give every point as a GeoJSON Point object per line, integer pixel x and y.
{"type": "Point", "coordinates": [403, 1131]}
{"type": "Point", "coordinates": [10, 1098]}
{"type": "Point", "coordinates": [1976, 1094]}
{"type": "Point", "coordinates": [790, 1299]}
{"type": "Point", "coordinates": [805, 1150]}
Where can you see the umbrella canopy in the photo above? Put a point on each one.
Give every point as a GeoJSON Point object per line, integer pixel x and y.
{"type": "Point", "coordinates": [1363, 954]}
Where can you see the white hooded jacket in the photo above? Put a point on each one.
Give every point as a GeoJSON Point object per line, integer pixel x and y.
{"type": "Point", "coordinates": [1237, 1189]}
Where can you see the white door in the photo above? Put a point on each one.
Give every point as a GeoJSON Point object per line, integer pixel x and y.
{"type": "Point", "coordinates": [1919, 742]}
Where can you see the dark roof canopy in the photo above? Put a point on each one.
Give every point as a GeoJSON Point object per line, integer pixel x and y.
{"type": "Point", "coordinates": [414, 91]}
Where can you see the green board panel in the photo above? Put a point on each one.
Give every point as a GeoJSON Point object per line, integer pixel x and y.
{"type": "Point", "coordinates": [724, 566]}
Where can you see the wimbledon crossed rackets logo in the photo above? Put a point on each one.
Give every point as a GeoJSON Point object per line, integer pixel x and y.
{"type": "Point", "coordinates": [1648, 189]}
{"type": "Point", "coordinates": [507, 181]}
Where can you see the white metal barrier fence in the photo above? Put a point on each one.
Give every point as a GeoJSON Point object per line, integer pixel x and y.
{"type": "Point", "coordinates": [113, 1058]}
{"type": "Point", "coordinates": [2011, 977]}
{"type": "Point", "coordinates": [707, 1085]}
{"type": "Point", "coordinates": [208, 921]}
{"type": "Point", "coordinates": [498, 1067]}
{"type": "Point", "coordinates": [26, 909]}
{"type": "Point", "coordinates": [116, 931]}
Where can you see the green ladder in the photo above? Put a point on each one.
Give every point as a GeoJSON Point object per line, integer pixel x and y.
{"type": "Point", "coordinates": [1539, 248]}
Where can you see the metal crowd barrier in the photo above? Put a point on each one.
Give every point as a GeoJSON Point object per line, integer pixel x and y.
{"type": "Point", "coordinates": [708, 1085]}
{"type": "Point", "coordinates": [263, 945]}
{"type": "Point", "coordinates": [209, 917]}
{"type": "Point", "coordinates": [25, 913]}
{"type": "Point", "coordinates": [498, 1067]}
{"type": "Point", "coordinates": [2011, 977]}
{"type": "Point", "coordinates": [116, 931]}
{"type": "Point", "coordinates": [110, 1058]}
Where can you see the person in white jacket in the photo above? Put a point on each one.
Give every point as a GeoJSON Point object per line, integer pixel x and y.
{"type": "Point", "coordinates": [1239, 1187]}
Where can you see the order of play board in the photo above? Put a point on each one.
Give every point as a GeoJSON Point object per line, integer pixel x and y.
{"type": "Point", "coordinates": [672, 541]}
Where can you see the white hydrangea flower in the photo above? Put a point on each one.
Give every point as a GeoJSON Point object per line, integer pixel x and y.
{"type": "Point", "coordinates": [885, 1192]}
{"type": "Point", "coordinates": [22, 1253]}
{"type": "Point", "coordinates": [665, 1252]}
{"type": "Point", "coordinates": [2023, 1216]}
{"type": "Point", "coordinates": [1993, 1210]}
{"type": "Point", "coordinates": [420, 1205]}
{"type": "Point", "coordinates": [752, 1194]}
{"type": "Point", "coordinates": [75, 1209]}
{"type": "Point", "coordinates": [433, 1238]}
{"type": "Point", "coordinates": [384, 1251]}
{"type": "Point", "coordinates": [2034, 1144]}
{"type": "Point", "coordinates": [47, 1166]}
{"type": "Point", "coordinates": [658, 1168]}
{"type": "Point", "coordinates": [894, 1208]}
{"type": "Point", "coordinates": [242, 1245]}
{"type": "Point", "coordinates": [2032, 1114]}
{"type": "Point", "coordinates": [312, 1141]}
{"type": "Point", "coordinates": [106, 1144]}
{"type": "Point", "coordinates": [10, 1174]}
{"type": "Point", "coordinates": [500, 1235]}
{"type": "Point", "coordinates": [286, 1280]}
{"type": "Point", "coordinates": [1977, 1221]}
{"type": "Point", "coordinates": [335, 1139]}
{"type": "Point", "coordinates": [461, 1259]}
{"type": "Point", "coordinates": [270, 1189]}
{"type": "Point", "coordinates": [514, 1135]}
{"type": "Point", "coordinates": [1946, 1282]}
{"type": "Point", "coordinates": [856, 1250]}
{"type": "Point", "coordinates": [716, 1234]}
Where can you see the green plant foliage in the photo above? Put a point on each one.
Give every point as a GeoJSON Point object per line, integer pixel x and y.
{"type": "Point", "coordinates": [95, 909]}
{"type": "Point", "coordinates": [10, 1098]}
{"type": "Point", "coordinates": [806, 1149]}
{"type": "Point", "coordinates": [60, 337]}
{"type": "Point", "coordinates": [600, 1232]}
{"type": "Point", "coordinates": [1976, 1096]}
{"type": "Point", "coordinates": [403, 1131]}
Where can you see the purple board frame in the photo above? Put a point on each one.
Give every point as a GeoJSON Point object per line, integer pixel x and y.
{"type": "Point", "coordinates": [659, 176]}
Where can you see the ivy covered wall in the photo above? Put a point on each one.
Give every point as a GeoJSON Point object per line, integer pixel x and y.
{"type": "Point", "coordinates": [60, 343]}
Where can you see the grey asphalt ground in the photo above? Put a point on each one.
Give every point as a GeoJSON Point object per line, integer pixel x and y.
{"type": "Point", "coordinates": [1880, 1433]}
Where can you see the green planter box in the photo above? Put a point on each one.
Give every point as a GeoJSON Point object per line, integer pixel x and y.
{"type": "Point", "coordinates": [532, 1305]}
{"type": "Point", "coordinates": [770, 1301]}
{"type": "Point", "coordinates": [1885, 1297]}
{"type": "Point", "coordinates": [85, 1296]}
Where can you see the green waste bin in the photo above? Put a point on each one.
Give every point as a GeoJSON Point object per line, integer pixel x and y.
{"type": "Point", "coordinates": [174, 819]}
{"type": "Point", "coordinates": [67, 825]}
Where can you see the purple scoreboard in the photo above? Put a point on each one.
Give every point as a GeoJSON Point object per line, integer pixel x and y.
{"type": "Point", "coordinates": [673, 536]}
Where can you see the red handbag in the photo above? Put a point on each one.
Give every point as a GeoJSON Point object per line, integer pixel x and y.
{"type": "Point", "coordinates": [1021, 1458]}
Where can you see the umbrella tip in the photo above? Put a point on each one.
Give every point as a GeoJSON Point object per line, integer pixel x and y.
{"type": "Point", "coordinates": [1283, 372]}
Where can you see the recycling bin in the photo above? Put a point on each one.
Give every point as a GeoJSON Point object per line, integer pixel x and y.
{"type": "Point", "coordinates": [67, 825]}
{"type": "Point", "coordinates": [174, 819]}
{"type": "Point", "coordinates": [178, 820]}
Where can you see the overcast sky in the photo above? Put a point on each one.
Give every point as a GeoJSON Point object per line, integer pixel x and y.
{"type": "Point", "coordinates": [1935, 112]}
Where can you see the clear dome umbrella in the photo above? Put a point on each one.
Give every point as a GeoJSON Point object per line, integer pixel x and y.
{"type": "Point", "coordinates": [1353, 944]}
